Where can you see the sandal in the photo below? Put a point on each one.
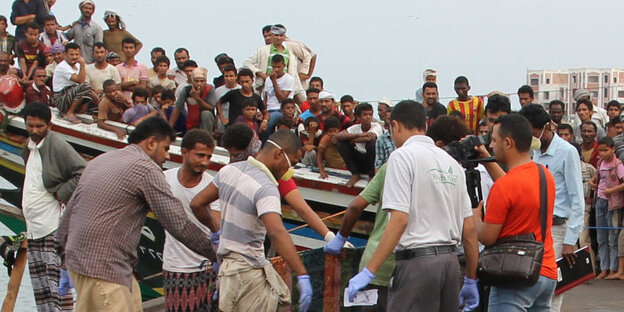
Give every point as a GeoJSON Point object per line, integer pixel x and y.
{"type": "Point", "coordinates": [72, 119]}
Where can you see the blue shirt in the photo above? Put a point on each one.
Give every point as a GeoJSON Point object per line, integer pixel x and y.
{"type": "Point", "coordinates": [306, 114]}
{"type": "Point", "coordinates": [564, 163]}
{"type": "Point", "coordinates": [21, 8]}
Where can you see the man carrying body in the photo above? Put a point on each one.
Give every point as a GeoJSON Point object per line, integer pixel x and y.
{"type": "Point", "coordinates": [429, 75]}
{"type": "Point", "coordinates": [184, 271]}
{"type": "Point", "coordinates": [38, 91]}
{"type": "Point", "coordinates": [72, 92]}
{"type": "Point", "coordinates": [250, 200]}
{"type": "Point", "coordinates": [111, 107]}
{"type": "Point", "coordinates": [200, 101]}
{"type": "Point", "coordinates": [177, 73]}
{"type": "Point", "coordinates": [432, 106]}
{"type": "Point", "coordinates": [525, 95]}
{"type": "Point", "coordinates": [101, 226]}
{"type": "Point", "coordinates": [133, 74]}
{"type": "Point", "coordinates": [423, 179]}
{"type": "Point", "coordinates": [86, 32]}
{"type": "Point", "coordinates": [52, 170]}
{"type": "Point", "coordinates": [101, 71]}
{"type": "Point", "coordinates": [562, 160]}
{"type": "Point", "coordinates": [471, 107]}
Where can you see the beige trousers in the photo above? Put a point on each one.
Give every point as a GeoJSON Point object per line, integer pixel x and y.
{"type": "Point", "coordinates": [95, 295]}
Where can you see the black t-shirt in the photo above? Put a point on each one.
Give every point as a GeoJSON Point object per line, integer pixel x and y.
{"type": "Point", "coordinates": [237, 101]}
{"type": "Point", "coordinates": [438, 110]}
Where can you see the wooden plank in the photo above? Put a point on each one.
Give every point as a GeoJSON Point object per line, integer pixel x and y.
{"type": "Point", "coordinates": [16, 278]}
{"type": "Point", "coordinates": [11, 212]}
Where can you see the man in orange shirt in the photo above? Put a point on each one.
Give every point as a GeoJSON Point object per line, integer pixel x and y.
{"type": "Point", "coordinates": [513, 207]}
{"type": "Point", "coordinates": [471, 107]}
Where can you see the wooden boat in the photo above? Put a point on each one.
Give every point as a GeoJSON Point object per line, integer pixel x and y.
{"type": "Point", "coordinates": [326, 196]}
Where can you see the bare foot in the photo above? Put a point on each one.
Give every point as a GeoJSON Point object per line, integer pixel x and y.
{"type": "Point", "coordinates": [612, 276]}
{"type": "Point", "coordinates": [620, 276]}
{"type": "Point", "coordinates": [602, 275]}
{"type": "Point", "coordinates": [353, 180]}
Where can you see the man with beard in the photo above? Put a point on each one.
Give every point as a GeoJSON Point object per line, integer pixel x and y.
{"type": "Point", "coordinates": [85, 32]}
{"type": "Point", "coordinates": [177, 73]}
{"type": "Point", "coordinates": [432, 106]}
{"type": "Point", "coordinates": [101, 71]}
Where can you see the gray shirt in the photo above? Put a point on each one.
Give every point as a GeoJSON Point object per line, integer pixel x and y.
{"type": "Point", "coordinates": [85, 34]}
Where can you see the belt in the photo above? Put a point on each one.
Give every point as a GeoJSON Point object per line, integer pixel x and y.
{"type": "Point", "coordinates": [423, 251]}
{"type": "Point", "coordinates": [559, 220]}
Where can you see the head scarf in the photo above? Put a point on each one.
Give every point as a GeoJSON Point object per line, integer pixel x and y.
{"type": "Point", "coordinates": [121, 23]}
{"type": "Point", "coordinates": [82, 3]}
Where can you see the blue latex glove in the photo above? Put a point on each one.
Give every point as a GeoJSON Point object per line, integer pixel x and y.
{"type": "Point", "coordinates": [305, 290]}
{"type": "Point", "coordinates": [335, 245]}
{"type": "Point", "coordinates": [358, 282]}
{"type": "Point", "coordinates": [469, 294]}
{"type": "Point", "coordinates": [215, 238]}
{"type": "Point", "coordinates": [215, 267]}
{"type": "Point", "coordinates": [65, 284]}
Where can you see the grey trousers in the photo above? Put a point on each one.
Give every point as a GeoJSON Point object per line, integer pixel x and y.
{"type": "Point", "coordinates": [427, 284]}
{"type": "Point", "coordinates": [206, 121]}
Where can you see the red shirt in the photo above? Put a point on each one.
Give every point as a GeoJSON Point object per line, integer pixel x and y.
{"type": "Point", "coordinates": [286, 186]}
{"type": "Point", "coordinates": [30, 54]}
{"type": "Point", "coordinates": [515, 204]}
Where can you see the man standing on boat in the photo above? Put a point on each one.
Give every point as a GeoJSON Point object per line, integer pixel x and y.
{"type": "Point", "coordinates": [52, 171]}
{"type": "Point", "coordinates": [425, 194]}
{"type": "Point", "coordinates": [250, 210]}
{"type": "Point", "coordinates": [184, 271]}
{"type": "Point", "coordinates": [100, 230]}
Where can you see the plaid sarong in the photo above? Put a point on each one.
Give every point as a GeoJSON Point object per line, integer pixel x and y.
{"type": "Point", "coordinates": [45, 270]}
{"type": "Point", "coordinates": [63, 99]}
{"type": "Point", "coordinates": [189, 292]}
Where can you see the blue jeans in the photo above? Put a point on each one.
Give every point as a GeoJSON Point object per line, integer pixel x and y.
{"type": "Point", "coordinates": [275, 115]}
{"type": "Point", "coordinates": [607, 239]}
{"type": "Point", "coordinates": [529, 299]}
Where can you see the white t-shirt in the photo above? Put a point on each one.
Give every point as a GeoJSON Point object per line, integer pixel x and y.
{"type": "Point", "coordinates": [41, 210]}
{"type": "Point", "coordinates": [98, 76]}
{"type": "Point", "coordinates": [176, 256]}
{"type": "Point", "coordinates": [375, 128]}
{"type": "Point", "coordinates": [62, 76]}
{"type": "Point", "coordinates": [425, 182]}
{"type": "Point", "coordinates": [285, 83]}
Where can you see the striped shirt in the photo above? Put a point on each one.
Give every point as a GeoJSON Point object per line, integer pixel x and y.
{"type": "Point", "coordinates": [472, 110]}
{"type": "Point", "coordinates": [102, 223]}
{"type": "Point", "coordinates": [247, 190]}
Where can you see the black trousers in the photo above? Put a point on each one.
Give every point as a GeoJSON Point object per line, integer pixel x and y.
{"type": "Point", "coordinates": [357, 162]}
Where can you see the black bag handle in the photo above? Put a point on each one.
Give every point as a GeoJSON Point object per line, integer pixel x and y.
{"type": "Point", "coordinates": [543, 200]}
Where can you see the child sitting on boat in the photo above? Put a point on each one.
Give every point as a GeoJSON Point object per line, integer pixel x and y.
{"type": "Point", "coordinates": [327, 153]}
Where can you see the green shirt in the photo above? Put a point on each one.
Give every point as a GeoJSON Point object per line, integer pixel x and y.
{"type": "Point", "coordinates": [373, 194]}
{"type": "Point", "coordinates": [273, 51]}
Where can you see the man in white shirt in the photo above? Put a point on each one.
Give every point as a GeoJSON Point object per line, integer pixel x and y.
{"type": "Point", "coordinates": [356, 144]}
{"type": "Point", "coordinates": [185, 272]}
{"type": "Point", "coordinates": [101, 71]}
{"type": "Point", "coordinates": [230, 83]}
{"type": "Point", "coordinates": [52, 171]}
{"type": "Point", "coordinates": [72, 91]}
{"type": "Point", "coordinates": [425, 193]}
{"type": "Point", "coordinates": [177, 73]}
{"type": "Point", "coordinates": [278, 86]}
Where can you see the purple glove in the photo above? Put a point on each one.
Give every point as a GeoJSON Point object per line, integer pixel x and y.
{"type": "Point", "coordinates": [334, 246]}
{"type": "Point", "coordinates": [469, 294]}
{"type": "Point", "coordinates": [358, 282]}
{"type": "Point", "coordinates": [305, 289]}
{"type": "Point", "coordinates": [65, 284]}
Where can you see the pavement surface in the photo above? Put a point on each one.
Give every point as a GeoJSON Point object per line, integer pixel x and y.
{"type": "Point", "coordinates": [595, 296]}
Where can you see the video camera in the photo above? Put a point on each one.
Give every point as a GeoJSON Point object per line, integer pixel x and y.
{"type": "Point", "coordinates": [464, 150]}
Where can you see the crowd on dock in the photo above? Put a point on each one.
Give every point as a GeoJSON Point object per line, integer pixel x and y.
{"type": "Point", "coordinates": [84, 219]}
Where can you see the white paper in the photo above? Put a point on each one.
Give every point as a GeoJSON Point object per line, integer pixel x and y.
{"type": "Point", "coordinates": [362, 298]}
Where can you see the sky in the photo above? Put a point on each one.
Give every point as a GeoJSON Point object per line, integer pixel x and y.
{"type": "Point", "coordinates": [379, 49]}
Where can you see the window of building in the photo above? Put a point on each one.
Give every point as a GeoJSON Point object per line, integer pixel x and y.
{"type": "Point", "coordinates": [534, 81]}
{"type": "Point", "coordinates": [606, 79]}
{"type": "Point", "coordinates": [573, 79]}
{"type": "Point", "coordinates": [606, 93]}
{"type": "Point", "coordinates": [614, 79]}
{"type": "Point", "coordinates": [547, 80]}
{"type": "Point", "coordinates": [546, 95]}
{"type": "Point", "coordinates": [592, 78]}
{"type": "Point", "coordinates": [594, 94]}
{"type": "Point", "coordinates": [621, 94]}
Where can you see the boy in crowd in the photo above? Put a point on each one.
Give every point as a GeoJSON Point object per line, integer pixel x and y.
{"type": "Point", "coordinates": [7, 41]}
{"type": "Point", "coordinates": [168, 103]}
{"type": "Point", "coordinates": [154, 54]}
{"type": "Point", "coordinates": [483, 127]}
{"type": "Point", "coordinates": [525, 95]}
{"type": "Point", "coordinates": [310, 139]}
{"type": "Point", "coordinates": [585, 111]}
{"type": "Point", "coordinates": [38, 91]}
{"type": "Point", "coordinates": [278, 86]}
{"type": "Point", "coordinates": [111, 107]}
{"type": "Point", "coordinates": [471, 107]}
{"type": "Point", "coordinates": [288, 110]}
{"type": "Point", "coordinates": [50, 34]}
{"type": "Point", "coordinates": [347, 104]}
{"type": "Point", "coordinates": [615, 126]}
{"type": "Point", "coordinates": [328, 154]}
{"type": "Point", "coordinates": [161, 79]}
{"type": "Point", "coordinates": [565, 132]}
{"type": "Point", "coordinates": [315, 83]}
{"type": "Point", "coordinates": [285, 123]}
{"type": "Point", "coordinates": [356, 144]}
{"type": "Point", "coordinates": [30, 51]}
{"type": "Point", "coordinates": [223, 61]}
{"type": "Point", "coordinates": [140, 109]}
{"type": "Point", "coordinates": [314, 106]}
{"type": "Point", "coordinates": [228, 83]}
{"type": "Point", "coordinates": [613, 109]}
{"type": "Point", "coordinates": [101, 71]}
{"type": "Point", "coordinates": [113, 58]}
{"type": "Point", "coordinates": [238, 98]}
{"type": "Point", "coordinates": [156, 97]}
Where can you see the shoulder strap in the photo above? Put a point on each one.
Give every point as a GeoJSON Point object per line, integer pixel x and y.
{"type": "Point", "coordinates": [543, 200]}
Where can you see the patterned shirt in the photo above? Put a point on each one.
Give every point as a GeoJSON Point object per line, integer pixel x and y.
{"type": "Point", "coordinates": [102, 224]}
{"type": "Point", "coordinates": [7, 45]}
{"type": "Point", "coordinates": [274, 51]}
{"type": "Point", "coordinates": [472, 110]}
{"type": "Point", "coordinates": [383, 147]}
{"type": "Point", "coordinates": [247, 190]}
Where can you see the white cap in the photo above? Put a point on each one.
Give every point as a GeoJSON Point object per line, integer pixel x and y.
{"type": "Point", "coordinates": [326, 95]}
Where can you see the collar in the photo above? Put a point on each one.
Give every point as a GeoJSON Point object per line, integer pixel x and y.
{"type": "Point", "coordinates": [35, 87]}
{"type": "Point", "coordinates": [256, 163]}
{"type": "Point", "coordinates": [83, 24]}
{"type": "Point", "coordinates": [33, 146]}
{"type": "Point", "coordinates": [418, 138]}
{"type": "Point", "coordinates": [136, 63]}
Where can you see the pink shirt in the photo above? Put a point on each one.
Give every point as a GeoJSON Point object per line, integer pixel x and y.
{"type": "Point", "coordinates": [603, 171]}
{"type": "Point", "coordinates": [136, 72]}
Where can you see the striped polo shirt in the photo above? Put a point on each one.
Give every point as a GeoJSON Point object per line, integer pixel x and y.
{"type": "Point", "coordinates": [472, 110]}
{"type": "Point", "coordinates": [247, 190]}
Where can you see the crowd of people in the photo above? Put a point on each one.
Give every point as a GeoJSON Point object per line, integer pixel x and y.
{"type": "Point", "coordinates": [271, 114]}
